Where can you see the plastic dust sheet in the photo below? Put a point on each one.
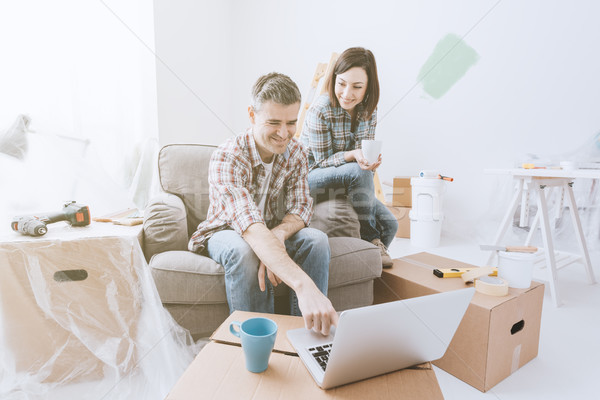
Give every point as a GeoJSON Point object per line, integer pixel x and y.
{"type": "Point", "coordinates": [39, 171]}
{"type": "Point", "coordinates": [82, 319]}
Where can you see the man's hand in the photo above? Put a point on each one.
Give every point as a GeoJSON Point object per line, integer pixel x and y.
{"type": "Point", "coordinates": [317, 311]}
{"type": "Point", "coordinates": [274, 279]}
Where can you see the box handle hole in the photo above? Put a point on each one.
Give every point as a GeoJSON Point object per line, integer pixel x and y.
{"type": "Point", "coordinates": [70, 275]}
{"type": "Point", "coordinates": [517, 327]}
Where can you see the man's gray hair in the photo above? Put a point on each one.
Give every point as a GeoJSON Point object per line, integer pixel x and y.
{"type": "Point", "coordinates": [274, 87]}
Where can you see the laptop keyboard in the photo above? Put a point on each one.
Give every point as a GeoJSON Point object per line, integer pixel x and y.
{"type": "Point", "coordinates": [321, 354]}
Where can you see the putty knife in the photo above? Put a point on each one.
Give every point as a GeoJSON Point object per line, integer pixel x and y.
{"type": "Point", "coordinates": [516, 249]}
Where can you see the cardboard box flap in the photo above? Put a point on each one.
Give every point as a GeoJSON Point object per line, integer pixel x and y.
{"type": "Point", "coordinates": [402, 192]}
{"type": "Point", "coordinates": [284, 323]}
{"type": "Point", "coordinates": [434, 261]}
{"type": "Point", "coordinates": [219, 372]}
{"type": "Point", "coordinates": [401, 182]}
{"type": "Point", "coordinates": [419, 268]}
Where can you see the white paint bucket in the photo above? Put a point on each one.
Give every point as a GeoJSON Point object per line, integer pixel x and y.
{"type": "Point", "coordinates": [516, 268]}
{"type": "Point", "coordinates": [426, 214]}
{"type": "Point", "coordinates": [425, 233]}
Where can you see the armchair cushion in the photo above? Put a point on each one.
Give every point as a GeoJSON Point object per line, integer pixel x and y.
{"type": "Point", "coordinates": [176, 273]}
{"type": "Point", "coordinates": [355, 261]}
{"type": "Point", "coordinates": [336, 218]}
{"type": "Point", "coordinates": [184, 277]}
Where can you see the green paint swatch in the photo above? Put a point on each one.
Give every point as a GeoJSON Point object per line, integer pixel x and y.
{"type": "Point", "coordinates": [449, 62]}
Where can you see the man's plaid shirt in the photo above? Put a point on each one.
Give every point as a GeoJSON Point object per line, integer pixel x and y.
{"type": "Point", "coordinates": [326, 133]}
{"type": "Point", "coordinates": [235, 176]}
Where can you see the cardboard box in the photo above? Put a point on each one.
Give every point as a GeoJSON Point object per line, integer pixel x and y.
{"type": "Point", "coordinates": [219, 372]}
{"type": "Point", "coordinates": [497, 335]}
{"type": "Point", "coordinates": [69, 309]}
{"type": "Point", "coordinates": [401, 215]}
{"type": "Point", "coordinates": [401, 192]}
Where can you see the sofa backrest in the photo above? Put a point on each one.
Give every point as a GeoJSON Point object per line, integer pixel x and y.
{"type": "Point", "coordinates": [183, 171]}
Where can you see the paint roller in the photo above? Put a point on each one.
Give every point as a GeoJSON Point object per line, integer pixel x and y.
{"type": "Point", "coordinates": [429, 173]}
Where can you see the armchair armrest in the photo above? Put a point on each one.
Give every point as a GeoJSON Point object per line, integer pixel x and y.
{"type": "Point", "coordinates": [165, 225]}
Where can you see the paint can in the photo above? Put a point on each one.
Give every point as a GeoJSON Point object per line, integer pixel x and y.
{"type": "Point", "coordinates": [426, 215]}
{"type": "Point", "coordinates": [516, 268]}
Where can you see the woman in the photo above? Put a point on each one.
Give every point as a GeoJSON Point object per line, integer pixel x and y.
{"type": "Point", "coordinates": [334, 128]}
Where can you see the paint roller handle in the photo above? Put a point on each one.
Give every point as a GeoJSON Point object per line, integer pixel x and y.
{"type": "Point", "coordinates": [427, 173]}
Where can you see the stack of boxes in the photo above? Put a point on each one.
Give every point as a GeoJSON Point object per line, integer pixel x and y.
{"type": "Point", "coordinates": [401, 205]}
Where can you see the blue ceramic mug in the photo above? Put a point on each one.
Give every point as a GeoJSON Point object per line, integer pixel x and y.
{"type": "Point", "coordinates": [258, 338]}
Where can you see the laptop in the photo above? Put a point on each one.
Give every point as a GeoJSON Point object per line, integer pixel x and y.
{"type": "Point", "coordinates": [382, 338]}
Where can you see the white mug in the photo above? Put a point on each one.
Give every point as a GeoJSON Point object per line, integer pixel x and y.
{"type": "Point", "coordinates": [371, 150]}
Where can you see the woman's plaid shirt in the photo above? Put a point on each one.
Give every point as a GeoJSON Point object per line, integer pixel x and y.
{"type": "Point", "coordinates": [235, 176]}
{"type": "Point", "coordinates": [326, 133]}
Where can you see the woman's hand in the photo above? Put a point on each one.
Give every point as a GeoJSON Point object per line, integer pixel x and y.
{"type": "Point", "coordinates": [375, 165]}
{"type": "Point", "coordinates": [357, 155]}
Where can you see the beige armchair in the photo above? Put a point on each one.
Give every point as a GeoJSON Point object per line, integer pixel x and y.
{"type": "Point", "coordinates": [192, 286]}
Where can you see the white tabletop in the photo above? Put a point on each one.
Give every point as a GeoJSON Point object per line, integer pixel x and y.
{"type": "Point", "coordinates": [63, 231]}
{"type": "Point", "coordinates": [547, 172]}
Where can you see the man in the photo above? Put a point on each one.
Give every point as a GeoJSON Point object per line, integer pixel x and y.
{"type": "Point", "coordinates": [259, 209]}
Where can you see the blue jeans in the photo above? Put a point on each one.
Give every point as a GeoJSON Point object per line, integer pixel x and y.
{"type": "Point", "coordinates": [309, 248]}
{"type": "Point", "coordinates": [376, 221]}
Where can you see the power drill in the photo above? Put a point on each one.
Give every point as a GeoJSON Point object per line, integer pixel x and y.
{"type": "Point", "coordinates": [35, 225]}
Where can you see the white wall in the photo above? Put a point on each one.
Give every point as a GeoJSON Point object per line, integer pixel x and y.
{"type": "Point", "coordinates": [533, 90]}
{"type": "Point", "coordinates": [194, 66]}
{"type": "Point", "coordinates": [84, 70]}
